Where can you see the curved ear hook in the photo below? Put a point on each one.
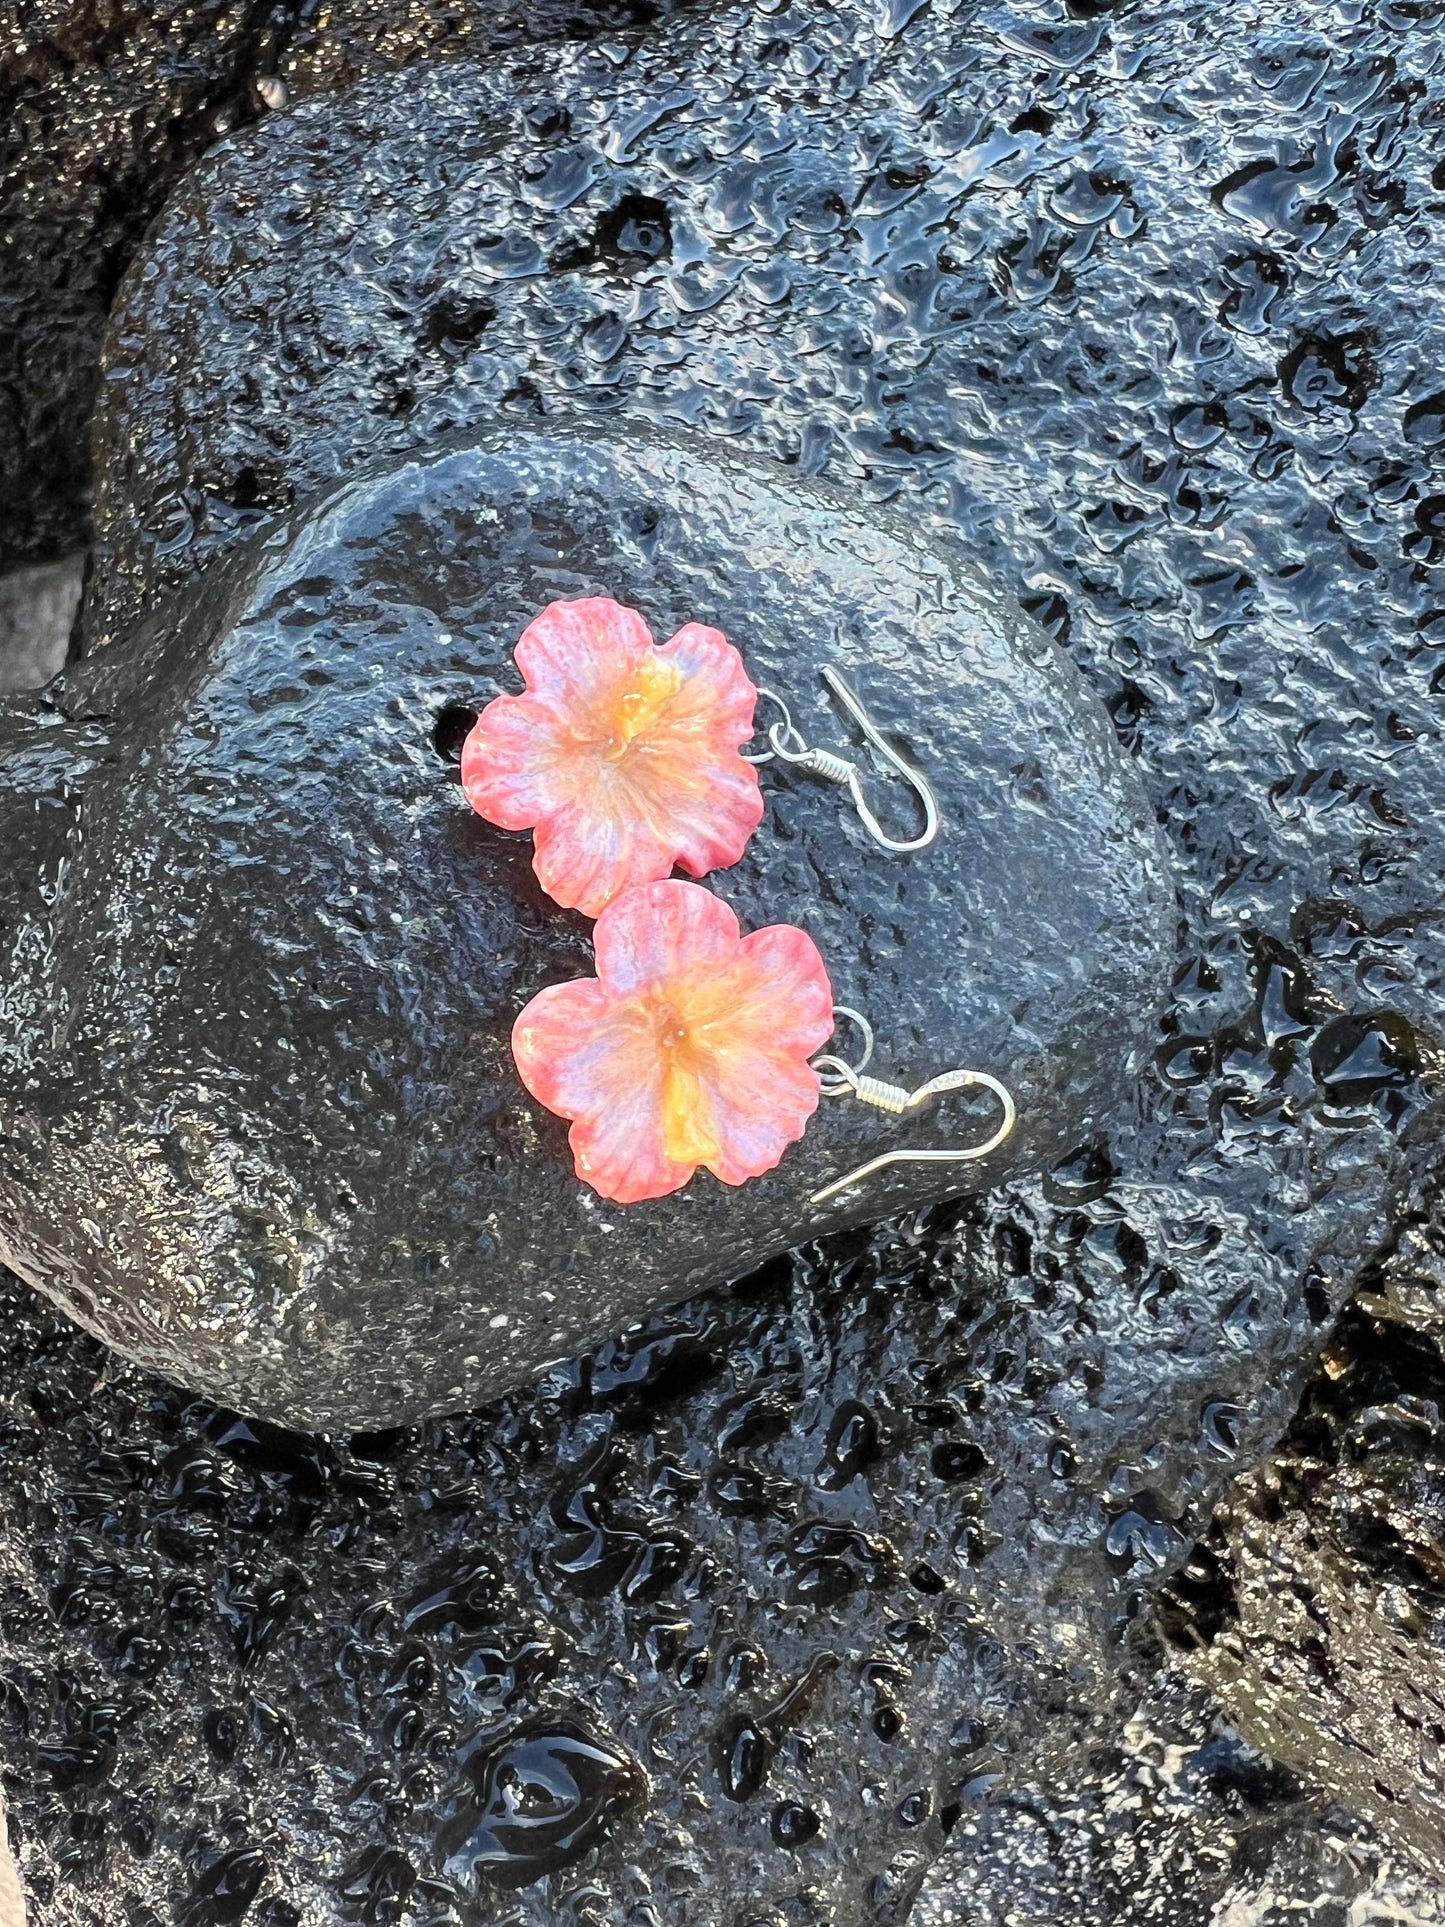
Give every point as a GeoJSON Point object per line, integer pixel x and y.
{"type": "Point", "coordinates": [844, 1078]}
{"type": "Point", "coordinates": [920, 784]}
{"type": "Point", "coordinates": [786, 741]}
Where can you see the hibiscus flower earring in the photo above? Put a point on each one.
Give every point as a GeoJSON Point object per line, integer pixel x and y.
{"type": "Point", "coordinates": [695, 1045]}
{"type": "Point", "coordinates": [625, 759]}
{"type": "Point", "coordinates": [621, 758]}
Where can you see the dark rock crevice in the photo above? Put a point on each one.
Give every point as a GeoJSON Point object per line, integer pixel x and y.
{"type": "Point", "coordinates": [1316, 1607]}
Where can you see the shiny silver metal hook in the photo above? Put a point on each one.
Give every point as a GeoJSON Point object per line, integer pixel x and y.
{"type": "Point", "coordinates": [843, 1079]}
{"type": "Point", "coordinates": [787, 743]}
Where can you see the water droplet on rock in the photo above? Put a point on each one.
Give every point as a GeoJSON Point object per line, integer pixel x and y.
{"type": "Point", "coordinates": [1318, 373]}
{"type": "Point", "coordinates": [541, 1799]}
{"type": "Point", "coordinates": [852, 1445]}
{"type": "Point", "coordinates": [1425, 422]}
{"type": "Point", "coordinates": [794, 1825]}
{"type": "Point", "coordinates": [743, 1759]}
{"type": "Point", "coordinates": [1359, 1058]}
{"type": "Point", "coordinates": [1082, 1176]}
{"type": "Point", "coordinates": [465, 1594]}
{"type": "Point", "coordinates": [958, 1459]}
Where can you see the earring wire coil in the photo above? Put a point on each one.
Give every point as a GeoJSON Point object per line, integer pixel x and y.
{"type": "Point", "coordinates": [844, 1079]}
{"type": "Point", "coordinates": [788, 744]}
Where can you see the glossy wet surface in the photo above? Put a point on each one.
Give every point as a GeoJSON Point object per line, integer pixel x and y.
{"type": "Point", "coordinates": [745, 1607]}
{"type": "Point", "coordinates": [1174, 1820]}
{"type": "Point", "coordinates": [325, 1195]}
{"type": "Point", "coordinates": [1143, 305]}
{"type": "Point", "coordinates": [99, 117]}
{"type": "Point", "coordinates": [1317, 1605]}
{"type": "Point", "coordinates": [1119, 364]}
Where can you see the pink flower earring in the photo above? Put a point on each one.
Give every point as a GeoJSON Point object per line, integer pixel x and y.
{"type": "Point", "coordinates": [621, 757]}
{"type": "Point", "coordinates": [625, 759]}
{"type": "Point", "coordinates": [690, 1046]}
{"type": "Point", "coordinates": [694, 1045]}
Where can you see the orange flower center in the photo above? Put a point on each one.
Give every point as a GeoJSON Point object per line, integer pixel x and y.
{"type": "Point", "coordinates": [672, 1031]}
{"type": "Point", "coordinates": [641, 703]}
{"type": "Point", "coordinates": [689, 1134]}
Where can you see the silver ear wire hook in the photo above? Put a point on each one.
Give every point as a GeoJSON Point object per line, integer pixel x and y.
{"type": "Point", "coordinates": [786, 742]}
{"type": "Point", "coordinates": [843, 1079]}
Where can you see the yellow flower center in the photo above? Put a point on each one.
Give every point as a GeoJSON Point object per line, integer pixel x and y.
{"type": "Point", "coordinates": [688, 1131]}
{"type": "Point", "coordinates": [653, 688]}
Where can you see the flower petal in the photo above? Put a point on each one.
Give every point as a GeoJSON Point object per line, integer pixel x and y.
{"type": "Point", "coordinates": [574, 654]}
{"type": "Point", "coordinates": [704, 807]}
{"type": "Point", "coordinates": [591, 1058]}
{"type": "Point", "coordinates": [717, 696]}
{"type": "Point", "coordinates": [585, 855]}
{"type": "Point", "coordinates": [512, 760]}
{"type": "Point", "coordinates": [760, 1020]}
{"type": "Point", "coordinates": [758, 1110]}
{"type": "Point", "coordinates": [784, 996]}
{"type": "Point", "coordinates": [686, 770]}
{"type": "Point", "coordinates": [658, 934]}
{"type": "Point", "coordinates": [622, 757]}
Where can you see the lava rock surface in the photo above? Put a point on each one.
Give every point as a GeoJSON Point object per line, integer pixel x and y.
{"type": "Point", "coordinates": [723, 1623]}
{"type": "Point", "coordinates": [1316, 1607]}
{"type": "Point", "coordinates": [873, 252]}
{"type": "Point", "coordinates": [1177, 1821]}
{"type": "Point", "coordinates": [262, 1129]}
{"type": "Point", "coordinates": [102, 110]}
{"type": "Point", "coordinates": [1142, 303]}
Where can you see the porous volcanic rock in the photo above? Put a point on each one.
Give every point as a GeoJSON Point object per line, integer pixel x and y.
{"type": "Point", "coordinates": [267, 1135]}
{"type": "Point", "coordinates": [754, 1599]}
{"type": "Point", "coordinates": [899, 253]}
{"type": "Point", "coordinates": [1316, 1608]}
{"type": "Point", "coordinates": [1177, 1820]}
{"type": "Point", "coordinates": [102, 110]}
{"type": "Point", "coordinates": [1141, 303]}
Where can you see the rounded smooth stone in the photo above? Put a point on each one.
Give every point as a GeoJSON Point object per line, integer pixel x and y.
{"type": "Point", "coordinates": [272, 1143]}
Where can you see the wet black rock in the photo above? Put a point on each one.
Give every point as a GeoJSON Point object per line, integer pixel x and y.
{"type": "Point", "coordinates": [1175, 1820]}
{"type": "Point", "coordinates": [936, 297]}
{"type": "Point", "coordinates": [538, 1801]}
{"type": "Point", "coordinates": [1145, 312]}
{"type": "Point", "coordinates": [624, 1646]}
{"type": "Point", "coordinates": [261, 1125]}
{"type": "Point", "coordinates": [605, 252]}
{"type": "Point", "coordinates": [1316, 1609]}
{"type": "Point", "coordinates": [101, 113]}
